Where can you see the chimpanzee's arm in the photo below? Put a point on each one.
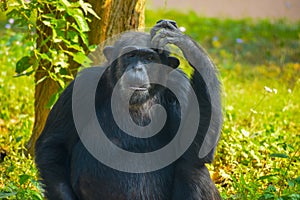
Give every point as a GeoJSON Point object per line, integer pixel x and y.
{"type": "Point", "coordinates": [52, 151]}
{"type": "Point", "coordinates": [192, 179]}
{"type": "Point", "coordinates": [205, 84]}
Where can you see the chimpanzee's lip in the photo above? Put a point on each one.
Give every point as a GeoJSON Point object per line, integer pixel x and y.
{"type": "Point", "coordinates": [138, 88]}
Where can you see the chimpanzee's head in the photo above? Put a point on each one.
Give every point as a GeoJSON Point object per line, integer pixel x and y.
{"type": "Point", "coordinates": [132, 60]}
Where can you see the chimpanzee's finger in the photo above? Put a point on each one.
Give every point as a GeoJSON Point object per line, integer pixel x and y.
{"type": "Point", "coordinates": [163, 24]}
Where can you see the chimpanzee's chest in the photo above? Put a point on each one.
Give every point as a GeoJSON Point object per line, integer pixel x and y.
{"type": "Point", "coordinates": [97, 181]}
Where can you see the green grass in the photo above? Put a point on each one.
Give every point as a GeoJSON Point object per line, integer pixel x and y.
{"type": "Point", "coordinates": [18, 177]}
{"type": "Point", "coordinates": [258, 154]}
{"type": "Point", "coordinates": [262, 41]}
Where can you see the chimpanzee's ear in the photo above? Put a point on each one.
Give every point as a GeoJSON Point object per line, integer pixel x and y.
{"type": "Point", "coordinates": [108, 52]}
{"type": "Point", "coordinates": [173, 62]}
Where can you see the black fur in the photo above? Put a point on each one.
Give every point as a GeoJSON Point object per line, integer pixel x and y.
{"type": "Point", "coordinates": [69, 171]}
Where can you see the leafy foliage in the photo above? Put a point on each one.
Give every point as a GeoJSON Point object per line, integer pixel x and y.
{"type": "Point", "coordinates": [258, 155]}
{"type": "Point", "coordinates": [18, 177]}
{"type": "Point", "coordinates": [65, 39]}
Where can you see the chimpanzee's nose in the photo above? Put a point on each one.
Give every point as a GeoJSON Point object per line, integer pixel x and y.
{"type": "Point", "coordinates": [138, 68]}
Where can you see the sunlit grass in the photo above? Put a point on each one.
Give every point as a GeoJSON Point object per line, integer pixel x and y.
{"type": "Point", "coordinates": [259, 147]}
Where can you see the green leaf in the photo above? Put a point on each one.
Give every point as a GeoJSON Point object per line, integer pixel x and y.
{"type": "Point", "coordinates": [271, 188]}
{"type": "Point", "coordinates": [61, 83]}
{"type": "Point", "coordinates": [76, 47]}
{"type": "Point", "coordinates": [24, 74]}
{"type": "Point", "coordinates": [73, 36]}
{"type": "Point", "coordinates": [4, 195]}
{"type": "Point", "coordinates": [92, 47]}
{"type": "Point", "coordinates": [79, 57]}
{"type": "Point", "coordinates": [65, 3]}
{"type": "Point", "coordinates": [45, 56]}
{"type": "Point", "coordinates": [59, 24]}
{"type": "Point", "coordinates": [63, 71]}
{"type": "Point", "coordinates": [41, 80]}
{"type": "Point", "coordinates": [269, 177]}
{"type": "Point", "coordinates": [47, 23]}
{"type": "Point", "coordinates": [291, 183]}
{"type": "Point", "coordinates": [23, 178]}
{"type": "Point", "coordinates": [67, 77]}
{"type": "Point", "coordinates": [84, 39]}
{"type": "Point", "coordinates": [87, 8]}
{"type": "Point", "coordinates": [91, 11]}
{"type": "Point", "coordinates": [52, 100]}
{"type": "Point", "coordinates": [279, 155]}
{"type": "Point", "coordinates": [79, 17]}
{"type": "Point", "coordinates": [81, 34]}
{"type": "Point", "coordinates": [35, 195]}
{"type": "Point", "coordinates": [23, 64]}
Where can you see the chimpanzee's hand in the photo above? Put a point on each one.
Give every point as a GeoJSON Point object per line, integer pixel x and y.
{"type": "Point", "coordinates": [163, 23]}
{"type": "Point", "coordinates": [166, 32]}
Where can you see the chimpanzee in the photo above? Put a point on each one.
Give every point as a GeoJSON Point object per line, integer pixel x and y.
{"type": "Point", "coordinates": [133, 81]}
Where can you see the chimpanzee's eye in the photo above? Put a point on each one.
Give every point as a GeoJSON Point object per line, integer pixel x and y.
{"type": "Point", "coordinates": [150, 57]}
{"type": "Point", "coordinates": [130, 54]}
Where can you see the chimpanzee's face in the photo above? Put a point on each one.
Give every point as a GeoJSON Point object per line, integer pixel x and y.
{"type": "Point", "coordinates": [134, 66]}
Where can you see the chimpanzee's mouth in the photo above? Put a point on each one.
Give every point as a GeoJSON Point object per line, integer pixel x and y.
{"type": "Point", "coordinates": [138, 88]}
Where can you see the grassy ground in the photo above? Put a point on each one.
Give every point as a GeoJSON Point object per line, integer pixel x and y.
{"type": "Point", "coordinates": [258, 155]}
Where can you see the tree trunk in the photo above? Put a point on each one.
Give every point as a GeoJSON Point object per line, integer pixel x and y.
{"type": "Point", "coordinates": [116, 16]}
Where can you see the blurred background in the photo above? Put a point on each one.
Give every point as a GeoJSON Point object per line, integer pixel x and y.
{"type": "Point", "coordinates": [237, 9]}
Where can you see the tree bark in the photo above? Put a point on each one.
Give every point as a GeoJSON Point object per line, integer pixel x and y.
{"type": "Point", "coordinates": [45, 89]}
{"type": "Point", "coordinates": [116, 16]}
